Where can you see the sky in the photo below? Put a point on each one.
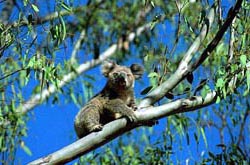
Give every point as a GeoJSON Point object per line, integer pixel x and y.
{"type": "Point", "coordinates": [51, 127]}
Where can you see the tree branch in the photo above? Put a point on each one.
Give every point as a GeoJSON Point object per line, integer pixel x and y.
{"type": "Point", "coordinates": [83, 32]}
{"type": "Point", "coordinates": [242, 126]}
{"type": "Point", "coordinates": [120, 126]}
{"type": "Point", "coordinates": [77, 46]}
{"type": "Point", "coordinates": [39, 20]}
{"type": "Point", "coordinates": [52, 16]}
{"type": "Point", "coordinates": [12, 73]}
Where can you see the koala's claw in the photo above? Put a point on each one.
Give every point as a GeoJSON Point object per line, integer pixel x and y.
{"type": "Point", "coordinates": [135, 108]}
{"type": "Point", "coordinates": [96, 128]}
{"type": "Point", "coordinates": [132, 117]}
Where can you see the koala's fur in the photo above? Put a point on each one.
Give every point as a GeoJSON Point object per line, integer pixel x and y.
{"type": "Point", "coordinates": [114, 101]}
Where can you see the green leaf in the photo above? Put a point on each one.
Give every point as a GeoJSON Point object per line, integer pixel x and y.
{"type": "Point", "coordinates": [202, 83]}
{"type": "Point", "coordinates": [217, 100]}
{"type": "Point", "coordinates": [220, 83]}
{"type": "Point", "coordinates": [205, 90]}
{"type": "Point", "coordinates": [154, 22]}
{"type": "Point", "coordinates": [31, 62]}
{"type": "Point", "coordinates": [63, 27]}
{"type": "Point", "coordinates": [204, 136]}
{"type": "Point", "coordinates": [30, 18]}
{"type": "Point", "coordinates": [223, 146]}
{"type": "Point", "coordinates": [66, 7]}
{"type": "Point", "coordinates": [35, 8]}
{"type": "Point", "coordinates": [243, 60]}
{"type": "Point", "coordinates": [55, 100]}
{"type": "Point", "coordinates": [26, 149]}
{"type": "Point", "coordinates": [211, 155]}
{"type": "Point", "coordinates": [169, 95]}
{"type": "Point", "coordinates": [196, 138]}
{"type": "Point", "coordinates": [25, 2]}
{"type": "Point", "coordinates": [220, 49]}
{"type": "Point", "coordinates": [152, 25]}
{"type": "Point", "coordinates": [152, 3]}
{"type": "Point", "coordinates": [248, 79]}
{"type": "Point", "coordinates": [224, 90]}
{"type": "Point", "coordinates": [190, 78]}
{"type": "Point", "coordinates": [188, 24]}
{"type": "Point", "coordinates": [13, 104]}
{"type": "Point", "coordinates": [153, 74]}
{"type": "Point", "coordinates": [146, 90]}
{"type": "Point", "coordinates": [73, 98]}
{"type": "Point", "coordinates": [188, 140]}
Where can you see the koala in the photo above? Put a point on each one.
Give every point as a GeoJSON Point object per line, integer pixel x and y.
{"type": "Point", "coordinates": [115, 100]}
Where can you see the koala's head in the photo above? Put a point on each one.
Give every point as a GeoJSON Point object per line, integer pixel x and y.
{"type": "Point", "coordinates": [121, 77]}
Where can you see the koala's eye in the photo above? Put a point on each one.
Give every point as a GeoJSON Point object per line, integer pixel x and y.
{"type": "Point", "coordinates": [129, 75]}
{"type": "Point", "coordinates": [115, 74]}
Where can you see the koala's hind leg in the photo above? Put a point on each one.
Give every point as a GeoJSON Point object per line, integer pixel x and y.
{"type": "Point", "coordinates": [88, 120]}
{"type": "Point", "coordinates": [92, 119]}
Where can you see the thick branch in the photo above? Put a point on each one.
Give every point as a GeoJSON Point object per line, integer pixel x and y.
{"type": "Point", "coordinates": [120, 126]}
{"type": "Point", "coordinates": [185, 67]}
{"type": "Point", "coordinates": [39, 98]}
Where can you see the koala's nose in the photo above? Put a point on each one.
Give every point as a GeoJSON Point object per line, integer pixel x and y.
{"type": "Point", "coordinates": [122, 75]}
{"type": "Point", "coordinates": [119, 75]}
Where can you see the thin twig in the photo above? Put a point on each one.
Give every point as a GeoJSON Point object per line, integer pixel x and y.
{"type": "Point", "coordinates": [242, 126]}
{"type": "Point", "coordinates": [12, 73]}
{"type": "Point", "coordinates": [231, 43]}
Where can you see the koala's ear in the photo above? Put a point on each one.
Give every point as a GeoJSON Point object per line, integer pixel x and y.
{"type": "Point", "coordinates": [107, 67]}
{"type": "Point", "coordinates": [137, 70]}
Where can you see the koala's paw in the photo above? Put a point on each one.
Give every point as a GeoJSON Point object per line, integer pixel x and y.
{"type": "Point", "coordinates": [134, 107]}
{"type": "Point", "coordinates": [131, 116]}
{"type": "Point", "coordinates": [96, 128]}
